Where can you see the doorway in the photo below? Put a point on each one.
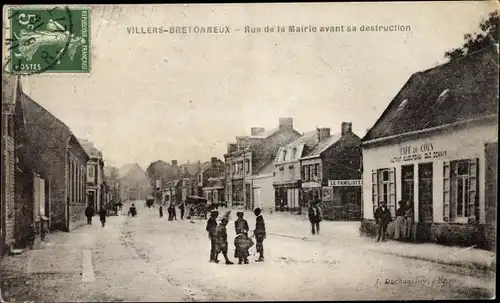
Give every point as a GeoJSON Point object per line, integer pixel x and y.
{"type": "Point", "coordinates": [425, 210]}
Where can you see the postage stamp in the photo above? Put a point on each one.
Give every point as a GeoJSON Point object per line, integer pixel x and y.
{"type": "Point", "coordinates": [49, 40]}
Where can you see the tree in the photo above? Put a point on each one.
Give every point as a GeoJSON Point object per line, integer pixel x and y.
{"type": "Point", "coordinates": [487, 37]}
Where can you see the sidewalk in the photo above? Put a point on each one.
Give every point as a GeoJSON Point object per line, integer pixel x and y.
{"type": "Point", "coordinates": [347, 232]}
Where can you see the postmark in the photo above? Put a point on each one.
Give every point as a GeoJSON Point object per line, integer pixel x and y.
{"type": "Point", "coordinates": [48, 40]}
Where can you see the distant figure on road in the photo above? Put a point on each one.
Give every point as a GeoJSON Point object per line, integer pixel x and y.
{"type": "Point", "coordinates": [382, 217]}
{"type": "Point", "coordinates": [212, 233]}
{"type": "Point", "coordinates": [132, 211]}
{"type": "Point", "coordinates": [89, 213]}
{"type": "Point", "coordinates": [182, 209]}
{"type": "Point", "coordinates": [174, 213]}
{"type": "Point", "coordinates": [315, 217]}
{"type": "Point", "coordinates": [399, 231]}
{"type": "Point", "coordinates": [161, 211]}
{"type": "Point", "coordinates": [102, 215]}
{"type": "Point", "coordinates": [259, 233]}
{"type": "Point", "coordinates": [222, 244]}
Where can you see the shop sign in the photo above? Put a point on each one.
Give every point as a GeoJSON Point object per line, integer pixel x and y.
{"type": "Point", "coordinates": [424, 151]}
{"type": "Point", "coordinates": [345, 183]}
{"type": "Point", "coordinates": [327, 194]}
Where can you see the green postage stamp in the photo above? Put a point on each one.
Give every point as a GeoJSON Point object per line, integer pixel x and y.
{"type": "Point", "coordinates": [50, 40]}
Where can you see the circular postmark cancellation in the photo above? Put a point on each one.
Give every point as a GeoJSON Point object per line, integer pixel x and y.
{"type": "Point", "coordinates": [52, 39]}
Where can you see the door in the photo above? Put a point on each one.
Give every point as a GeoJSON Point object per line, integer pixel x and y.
{"type": "Point", "coordinates": [91, 200]}
{"type": "Point", "coordinates": [425, 174]}
{"type": "Point", "coordinates": [256, 197]}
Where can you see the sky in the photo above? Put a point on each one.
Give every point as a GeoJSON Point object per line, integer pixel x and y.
{"type": "Point", "coordinates": [184, 97]}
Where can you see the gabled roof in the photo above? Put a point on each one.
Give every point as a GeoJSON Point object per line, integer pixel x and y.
{"type": "Point", "coordinates": [265, 134]}
{"type": "Point", "coordinates": [308, 139]}
{"type": "Point", "coordinates": [457, 91]}
{"type": "Point", "coordinates": [43, 131]}
{"type": "Point", "coordinates": [205, 166]}
{"type": "Point", "coordinates": [90, 148]}
{"type": "Point", "coordinates": [323, 145]}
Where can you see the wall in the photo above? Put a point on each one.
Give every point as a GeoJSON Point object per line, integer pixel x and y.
{"type": "Point", "coordinates": [77, 184]}
{"type": "Point", "coordinates": [459, 143]}
{"type": "Point", "coordinates": [8, 176]}
{"type": "Point", "coordinates": [265, 184]}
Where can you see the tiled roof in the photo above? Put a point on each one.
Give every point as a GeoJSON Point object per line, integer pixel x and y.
{"type": "Point", "coordinates": [323, 145]}
{"type": "Point", "coordinates": [308, 139]}
{"type": "Point", "coordinates": [266, 134]}
{"type": "Point", "coordinates": [453, 92]}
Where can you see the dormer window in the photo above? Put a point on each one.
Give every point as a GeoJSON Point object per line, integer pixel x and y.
{"type": "Point", "coordinates": [284, 155]}
{"type": "Point", "coordinates": [402, 104]}
{"type": "Point", "coordinates": [294, 153]}
{"type": "Point", "coordinates": [443, 95]}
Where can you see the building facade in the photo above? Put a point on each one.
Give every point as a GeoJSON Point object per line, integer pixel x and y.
{"type": "Point", "coordinates": [287, 177]}
{"type": "Point", "coordinates": [209, 170]}
{"type": "Point", "coordinates": [436, 148]}
{"type": "Point", "coordinates": [134, 183]}
{"type": "Point", "coordinates": [213, 190]}
{"type": "Point", "coordinates": [331, 173]}
{"type": "Point", "coordinates": [96, 194]}
{"type": "Point", "coordinates": [7, 216]}
{"type": "Point", "coordinates": [54, 154]}
{"type": "Point", "coordinates": [250, 165]}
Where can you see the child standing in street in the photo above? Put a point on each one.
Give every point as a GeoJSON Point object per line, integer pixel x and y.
{"type": "Point", "coordinates": [242, 242]}
{"type": "Point", "coordinates": [222, 241]}
{"type": "Point", "coordinates": [161, 211]}
{"type": "Point", "coordinates": [259, 233]}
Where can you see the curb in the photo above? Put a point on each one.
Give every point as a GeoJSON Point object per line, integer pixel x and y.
{"type": "Point", "coordinates": [469, 265]}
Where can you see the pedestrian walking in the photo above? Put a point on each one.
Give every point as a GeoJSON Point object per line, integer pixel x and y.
{"type": "Point", "coordinates": [169, 210]}
{"type": "Point", "coordinates": [182, 208]}
{"type": "Point", "coordinates": [161, 211]}
{"type": "Point", "coordinates": [221, 243]}
{"type": "Point", "coordinates": [212, 233]}
{"type": "Point", "coordinates": [383, 218]}
{"type": "Point", "coordinates": [259, 233]}
{"type": "Point", "coordinates": [89, 213]}
{"type": "Point", "coordinates": [132, 210]}
{"type": "Point", "coordinates": [399, 230]}
{"type": "Point", "coordinates": [192, 213]}
{"type": "Point", "coordinates": [102, 215]}
{"type": "Point", "coordinates": [408, 225]}
{"type": "Point", "coordinates": [174, 213]}
{"type": "Point", "coordinates": [315, 217]}
{"type": "Point", "coordinates": [242, 242]}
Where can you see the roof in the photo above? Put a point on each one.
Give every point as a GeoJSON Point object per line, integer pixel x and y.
{"type": "Point", "coordinates": [132, 175]}
{"type": "Point", "coordinates": [192, 168]}
{"type": "Point", "coordinates": [323, 145]}
{"type": "Point", "coordinates": [308, 139]}
{"type": "Point", "coordinates": [265, 134]}
{"type": "Point", "coordinates": [42, 132]}
{"type": "Point", "coordinates": [90, 148]}
{"type": "Point", "coordinates": [205, 165]}
{"type": "Point", "coordinates": [457, 91]}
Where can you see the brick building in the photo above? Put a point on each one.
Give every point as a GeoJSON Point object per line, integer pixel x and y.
{"type": "Point", "coordinates": [331, 173]}
{"type": "Point", "coordinates": [209, 170]}
{"type": "Point", "coordinates": [96, 189]}
{"type": "Point", "coordinates": [250, 165]}
{"type": "Point", "coordinates": [54, 153]}
{"type": "Point", "coordinates": [436, 147]}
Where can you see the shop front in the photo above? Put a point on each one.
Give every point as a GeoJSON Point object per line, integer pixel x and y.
{"type": "Point", "coordinates": [442, 175]}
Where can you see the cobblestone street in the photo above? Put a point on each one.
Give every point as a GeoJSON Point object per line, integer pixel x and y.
{"type": "Point", "coordinates": [148, 258]}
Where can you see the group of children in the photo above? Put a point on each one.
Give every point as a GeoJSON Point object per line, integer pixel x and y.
{"type": "Point", "coordinates": [217, 233]}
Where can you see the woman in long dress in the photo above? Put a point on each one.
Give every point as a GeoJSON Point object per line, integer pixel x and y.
{"type": "Point", "coordinates": [399, 231]}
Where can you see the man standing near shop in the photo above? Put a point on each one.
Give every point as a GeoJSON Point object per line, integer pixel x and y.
{"type": "Point", "coordinates": [383, 218]}
{"type": "Point", "coordinates": [315, 217]}
{"type": "Point", "coordinates": [212, 233]}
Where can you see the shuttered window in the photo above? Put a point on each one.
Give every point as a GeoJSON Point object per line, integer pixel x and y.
{"type": "Point", "coordinates": [374, 190]}
{"type": "Point", "coordinates": [446, 191]}
{"type": "Point", "coordinates": [473, 188]}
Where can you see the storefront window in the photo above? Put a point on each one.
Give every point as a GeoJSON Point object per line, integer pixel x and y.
{"type": "Point", "coordinates": [460, 189]}
{"type": "Point", "coordinates": [407, 176]}
{"type": "Point", "coordinates": [384, 189]}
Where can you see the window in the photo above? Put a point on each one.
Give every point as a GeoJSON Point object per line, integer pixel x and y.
{"type": "Point", "coordinates": [407, 181]}
{"type": "Point", "coordinates": [383, 188]}
{"type": "Point", "coordinates": [294, 153]}
{"type": "Point", "coordinates": [460, 189]}
{"type": "Point", "coordinates": [90, 173]}
{"type": "Point", "coordinates": [247, 166]}
{"type": "Point", "coordinates": [284, 155]}
{"type": "Point", "coordinates": [316, 170]}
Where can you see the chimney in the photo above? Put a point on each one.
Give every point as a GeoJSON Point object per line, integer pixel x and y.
{"type": "Point", "coordinates": [231, 147]}
{"type": "Point", "coordinates": [346, 128]}
{"type": "Point", "coordinates": [286, 122]}
{"type": "Point", "coordinates": [255, 131]}
{"type": "Point", "coordinates": [323, 133]}
{"type": "Point", "coordinates": [213, 160]}
{"type": "Point", "coordinates": [174, 163]}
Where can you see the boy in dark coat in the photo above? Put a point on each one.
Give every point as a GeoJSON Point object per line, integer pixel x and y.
{"type": "Point", "coordinates": [102, 215]}
{"type": "Point", "coordinates": [221, 243]}
{"type": "Point", "coordinates": [182, 208]}
{"type": "Point", "coordinates": [259, 233]}
{"type": "Point", "coordinates": [212, 229]}
{"type": "Point", "coordinates": [242, 242]}
{"type": "Point", "coordinates": [382, 217]}
{"type": "Point", "coordinates": [314, 217]}
{"type": "Point", "coordinates": [89, 213]}
{"type": "Point", "coordinates": [161, 211]}
{"type": "Point", "coordinates": [132, 211]}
